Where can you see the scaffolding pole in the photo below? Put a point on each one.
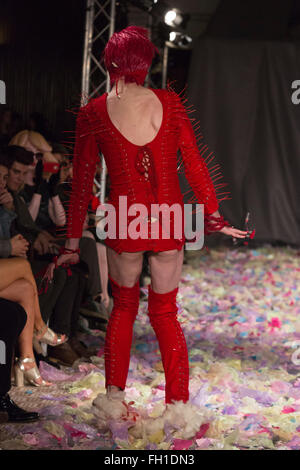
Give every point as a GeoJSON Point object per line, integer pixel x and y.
{"type": "Point", "coordinates": [99, 27]}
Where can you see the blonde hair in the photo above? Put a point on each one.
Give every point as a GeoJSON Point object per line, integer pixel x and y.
{"type": "Point", "coordinates": [35, 139]}
{"type": "Point", "coordinates": [23, 138]}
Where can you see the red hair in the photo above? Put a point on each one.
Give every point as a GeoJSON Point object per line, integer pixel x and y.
{"type": "Point", "coordinates": [129, 54]}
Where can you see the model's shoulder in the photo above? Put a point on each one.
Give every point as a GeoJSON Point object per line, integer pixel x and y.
{"type": "Point", "coordinates": [97, 101]}
{"type": "Point", "coordinates": [173, 95]}
{"type": "Point", "coordinates": [87, 111]}
{"type": "Point", "coordinates": [161, 92]}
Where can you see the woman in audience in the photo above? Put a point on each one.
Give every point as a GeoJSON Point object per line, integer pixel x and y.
{"type": "Point", "coordinates": [17, 284]}
{"type": "Point", "coordinates": [12, 321]}
{"type": "Point", "coordinates": [42, 198]}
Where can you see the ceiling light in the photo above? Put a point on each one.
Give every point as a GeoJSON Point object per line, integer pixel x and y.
{"type": "Point", "coordinates": [179, 40]}
{"type": "Point", "coordinates": [173, 17]}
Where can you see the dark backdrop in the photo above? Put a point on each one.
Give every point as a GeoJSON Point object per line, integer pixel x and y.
{"type": "Point", "coordinates": [242, 92]}
{"type": "Point", "coordinates": [41, 48]}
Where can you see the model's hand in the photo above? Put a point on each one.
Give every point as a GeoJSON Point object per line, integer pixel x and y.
{"type": "Point", "coordinates": [234, 232]}
{"type": "Point", "coordinates": [230, 231]}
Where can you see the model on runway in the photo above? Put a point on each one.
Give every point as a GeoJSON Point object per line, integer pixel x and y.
{"type": "Point", "coordinates": [139, 131]}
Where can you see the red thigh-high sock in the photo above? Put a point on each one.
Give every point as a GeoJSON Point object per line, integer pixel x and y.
{"type": "Point", "coordinates": [163, 318]}
{"type": "Point", "coordinates": [119, 333]}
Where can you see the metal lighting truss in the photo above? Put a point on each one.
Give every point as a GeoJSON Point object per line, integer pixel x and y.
{"type": "Point", "coordinates": [99, 27]}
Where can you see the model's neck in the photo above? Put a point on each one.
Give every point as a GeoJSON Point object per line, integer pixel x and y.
{"type": "Point", "coordinates": [125, 89]}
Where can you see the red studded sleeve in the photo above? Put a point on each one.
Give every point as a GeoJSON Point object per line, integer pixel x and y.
{"type": "Point", "coordinates": [84, 167]}
{"type": "Point", "coordinates": [194, 164]}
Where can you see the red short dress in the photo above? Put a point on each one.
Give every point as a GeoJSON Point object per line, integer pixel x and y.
{"type": "Point", "coordinates": [145, 174]}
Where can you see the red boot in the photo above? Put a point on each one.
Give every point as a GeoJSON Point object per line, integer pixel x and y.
{"type": "Point", "coordinates": [163, 318]}
{"type": "Point", "coordinates": [119, 333]}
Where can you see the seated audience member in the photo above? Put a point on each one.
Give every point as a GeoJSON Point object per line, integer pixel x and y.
{"type": "Point", "coordinates": [98, 270]}
{"type": "Point", "coordinates": [41, 181]}
{"type": "Point", "coordinates": [17, 284]}
{"type": "Point", "coordinates": [12, 321]}
{"type": "Point", "coordinates": [90, 307]}
{"type": "Point", "coordinates": [61, 303]}
{"type": "Point", "coordinates": [19, 161]}
{"type": "Point", "coordinates": [14, 246]}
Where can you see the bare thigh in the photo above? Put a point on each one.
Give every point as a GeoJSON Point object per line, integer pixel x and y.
{"type": "Point", "coordinates": [13, 269]}
{"type": "Point", "coordinates": [165, 269]}
{"type": "Point", "coordinates": [124, 268]}
{"type": "Point", "coordinates": [18, 291]}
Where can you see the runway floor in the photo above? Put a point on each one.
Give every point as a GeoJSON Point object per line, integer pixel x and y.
{"type": "Point", "coordinates": [240, 312]}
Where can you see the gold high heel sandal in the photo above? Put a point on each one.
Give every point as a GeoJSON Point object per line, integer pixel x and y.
{"type": "Point", "coordinates": [47, 336]}
{"type": "Point", "coordinates": [31, 375]}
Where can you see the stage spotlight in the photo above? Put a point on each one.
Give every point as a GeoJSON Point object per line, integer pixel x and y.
{"type": "Point", "coordinates": [172, 36]}
{"type": "Point", "coordinates": [173, 17]}
{"type": "Point", "coordinates": [179, 40]}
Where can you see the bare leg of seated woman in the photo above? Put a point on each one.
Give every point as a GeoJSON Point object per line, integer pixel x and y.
{"type": "Point", "coordinates": [18, 268]}
{"type": "Point", "coordinates": [22, 292]}
{"type": "Point", "coordinates": [18, 285]}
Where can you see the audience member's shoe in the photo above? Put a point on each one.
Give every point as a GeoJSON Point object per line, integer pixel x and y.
{"type": "Point", "coordinates": [92, 309]}
{"type": "Point", "coordinates": [63, 354]}
{"type": "Point", "coordinates": [47, 336]}
{"type": "Point", "coordinates": [30, 375]}
{"type": "Point", "coordinates": [9, 411]}
{"type": "Point", "coordinates": [83, 325]}
{"type": "Point", "coordinates": [80, 348]}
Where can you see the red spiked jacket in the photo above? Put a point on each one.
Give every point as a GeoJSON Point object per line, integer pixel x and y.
{"type": "Point", "coordinates": [145, 174]}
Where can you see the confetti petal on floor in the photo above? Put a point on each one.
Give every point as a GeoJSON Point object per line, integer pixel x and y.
{"type": "Point", "coordinates": [240, 312]}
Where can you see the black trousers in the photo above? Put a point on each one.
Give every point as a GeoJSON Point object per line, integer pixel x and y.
{"type": "Point", "coordinates": [48, 300]}
{"type": "Point", "coordinates": [64, 318]}
{"type": "Point", "coordinates": [12, 321]}
{"type": "Point", "coordinates": [61, 303]}
{"type": "Point", "coordinates": [89, 255]}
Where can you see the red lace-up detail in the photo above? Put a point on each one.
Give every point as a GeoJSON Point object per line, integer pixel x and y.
{"type": "Point", "coordinates": [144, 164]}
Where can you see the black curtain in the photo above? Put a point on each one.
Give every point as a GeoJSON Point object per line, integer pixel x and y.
{"type": "Point", "coordinates": [41, 50]}
{"type": "Point", "coordinates": [242, 92]}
